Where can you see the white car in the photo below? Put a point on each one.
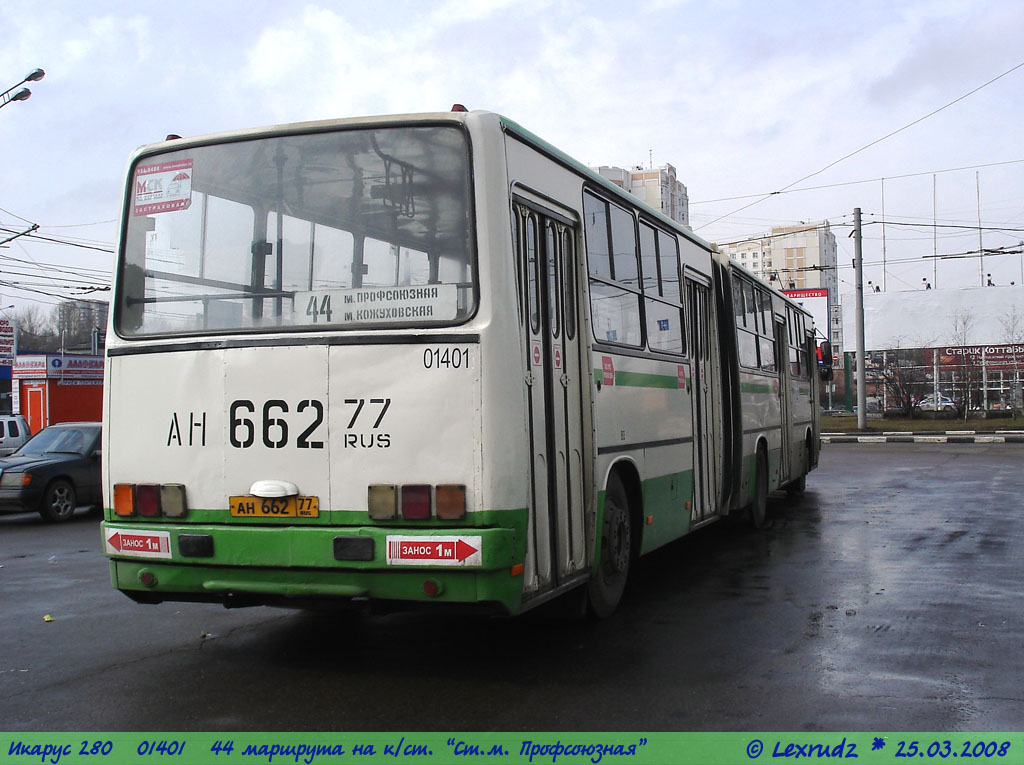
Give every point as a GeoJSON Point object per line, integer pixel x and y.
{"type": "Point", "coordinates": [13, 433]}
{"type": "Point", "coordinates": [943, 404]}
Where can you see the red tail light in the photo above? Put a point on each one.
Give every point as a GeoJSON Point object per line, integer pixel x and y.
{"type": "Point", "coordinates": [416, 502]}
{"type": "Point", "coordinates": [147, 500]}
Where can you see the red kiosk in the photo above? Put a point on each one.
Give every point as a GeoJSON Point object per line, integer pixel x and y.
{"type": "Point", "coordinates": [51, 388]}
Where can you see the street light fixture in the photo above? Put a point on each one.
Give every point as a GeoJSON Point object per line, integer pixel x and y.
{"type": "Point", "coordinates": [24, 94]}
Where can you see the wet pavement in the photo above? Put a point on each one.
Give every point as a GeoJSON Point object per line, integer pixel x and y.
{"type": "Point", "coordinates": [887, 598]}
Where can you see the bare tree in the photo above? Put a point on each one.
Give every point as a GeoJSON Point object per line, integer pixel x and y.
{"type": "Point", "coordinates": [904, 374]}
{"type": "Point", "coordinates": [967, 372]}
{"type": "Point", "coordinates": [1013, 334]}
{"type": "Point", "coordinates": [36, 330]}
{"type": "Point", "coordinates": [68, 325]}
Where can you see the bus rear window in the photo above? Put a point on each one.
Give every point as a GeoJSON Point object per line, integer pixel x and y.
{"type": "Point", "coordinates": [360, 228]}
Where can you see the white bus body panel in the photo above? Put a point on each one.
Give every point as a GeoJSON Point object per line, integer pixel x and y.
{"type": "Point", "coordinates": [414, 424]}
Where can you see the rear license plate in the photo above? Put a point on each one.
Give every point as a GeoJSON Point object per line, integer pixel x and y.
{"type": "Point", "coordinates": [275, 507]}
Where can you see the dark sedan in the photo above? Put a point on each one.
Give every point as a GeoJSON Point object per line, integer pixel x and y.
{"type": "Point", "coordinates": [57, 470]}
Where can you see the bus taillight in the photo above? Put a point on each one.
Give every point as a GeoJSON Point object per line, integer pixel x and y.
{"type": "Point", "coordinates": [416, 502]}
{"type": "Point", "coordinates": [150, 500]}
{"type": "Point", "coordinates": [384, 502]}
{"type": "Point", "coordinates": [450, 502]}
{"type": "Point", "coordinates": [147, 500]}
{"type": "Point", "coordinates": [172, 500]}
{"type": "Point", "coordinates": [124, 499]}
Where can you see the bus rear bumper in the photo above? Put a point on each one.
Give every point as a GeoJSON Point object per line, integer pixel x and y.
{"type": "Point", "coordinates": [241, 566]}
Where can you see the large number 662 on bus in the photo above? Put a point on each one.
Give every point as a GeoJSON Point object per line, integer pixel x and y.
{"type": "Point", "coordinates": [427, 359]}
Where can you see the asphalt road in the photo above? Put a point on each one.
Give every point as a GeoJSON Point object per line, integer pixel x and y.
{"type": "Point", "coordinates": [887, 598]}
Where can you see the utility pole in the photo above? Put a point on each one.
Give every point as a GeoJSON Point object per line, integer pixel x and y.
{"type": "Point", "coordinates": [981, 248]}
{"type": "Point", "coordinates": [14, 236]}
{"type": "Point", "coordinates": [883, 235]}
{"type": "Point", "coordinates": [935, 245]}
{"type": "Point", "coordinates": [858, 266]}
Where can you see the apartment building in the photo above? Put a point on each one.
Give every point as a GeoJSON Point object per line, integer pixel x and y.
{"type": "Point", "coordinates": [656, 186]}
{"type": "Point", "coordinates": [791, 257]}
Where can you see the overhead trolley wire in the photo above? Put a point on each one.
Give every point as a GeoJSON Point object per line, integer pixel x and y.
{"type": "Point", "coordinates": [865, 147]}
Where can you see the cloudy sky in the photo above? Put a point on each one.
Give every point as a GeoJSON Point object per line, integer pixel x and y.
{"type": "Point", "coordinates": [744, 98]}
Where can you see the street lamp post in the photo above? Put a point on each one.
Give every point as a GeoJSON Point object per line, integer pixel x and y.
{"type": "Point", "coordinates": [24, 94]}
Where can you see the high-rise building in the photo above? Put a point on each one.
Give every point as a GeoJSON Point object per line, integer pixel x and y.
{"type": "Point", "coordinates": [658, 187]}
{"type": "Point", "coordinates": [791, 257]}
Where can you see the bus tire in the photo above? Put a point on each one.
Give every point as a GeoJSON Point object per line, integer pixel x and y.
{"type": "Point", "coordinates": [608, 579]}
{"type": "Point", "coordinates": [759, 507]}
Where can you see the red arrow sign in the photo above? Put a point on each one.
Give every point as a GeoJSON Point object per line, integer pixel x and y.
{"type": "Point", "coordinates": [430, 550]}
{"type": "Point", "coordinates": [463, 549]}
{"type": "Point", "coordinates": [434, 551]}
{"type": "Point", "coordinates": [139, 543]}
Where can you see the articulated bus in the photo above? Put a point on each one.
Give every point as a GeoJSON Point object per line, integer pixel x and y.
{"type": "Point", "coordinates": [427, 359]}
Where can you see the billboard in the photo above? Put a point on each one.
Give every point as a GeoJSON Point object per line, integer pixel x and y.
{"type": "Point", "coordinates": [8, 346]}
{"type": "Point", "coordinates": [816, 302]}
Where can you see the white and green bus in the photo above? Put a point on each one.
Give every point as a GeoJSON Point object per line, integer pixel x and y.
{"type": "Point", "coordinates": [426, 359]}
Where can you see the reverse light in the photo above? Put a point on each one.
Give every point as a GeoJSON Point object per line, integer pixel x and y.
{"type": "Point", "coordinates": [416, 502]}
{"type": "Point", "coordinates": [172, 500]}
{"type": "Point", "coordinates": [382, 502]}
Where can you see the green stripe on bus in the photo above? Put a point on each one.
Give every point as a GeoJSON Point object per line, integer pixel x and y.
{"type": "Point", "coordinates": [755, 388]}
{"type": "Point", "coordinates": [640, 380]}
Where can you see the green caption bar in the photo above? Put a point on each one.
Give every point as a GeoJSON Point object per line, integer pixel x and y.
{"type": "Point", "coordinates": [662, 748]}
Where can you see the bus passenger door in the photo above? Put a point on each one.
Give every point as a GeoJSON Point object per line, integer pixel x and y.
{"type": "Point", "coordinates": [556, 535]}
{"type": "Point", "coordinates": [786, 414]}
{"type": "Point", "coordinates": [704, 463]}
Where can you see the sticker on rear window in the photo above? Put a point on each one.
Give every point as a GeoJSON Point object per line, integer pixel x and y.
{"type": "Point", "coordinates": [163, 188]}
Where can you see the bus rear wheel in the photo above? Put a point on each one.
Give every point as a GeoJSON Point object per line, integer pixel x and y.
{"type": "Point", "coordinates": [608, 579]}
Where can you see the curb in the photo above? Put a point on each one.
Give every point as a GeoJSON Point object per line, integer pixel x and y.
{"type": "Point", "coordinates": [937, 437]}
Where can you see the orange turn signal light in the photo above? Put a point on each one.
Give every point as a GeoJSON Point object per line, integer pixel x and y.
{"type": "Point", "coordinates": [124, 499]}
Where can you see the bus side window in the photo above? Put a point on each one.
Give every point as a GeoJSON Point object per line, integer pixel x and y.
{"type": "Point", "coordinates": [649, 259]}
{"type": "Point", "coordinates": [517, 259]}
{"type": "Point", "coordinates": [595, 225]}
{"type": "Point", "coordinates": [614, 272]}
{"type": "Point", "coordinates": [625, 269]}
{"type": "Point", "coordinates": [766, 331]}
{"type": "Point", "coordinates": [746, 325]}
{"type": "Point", "coordinates": [668, 261]}
{"type": "Point", "coordinates": [737, 303]}
{"type": "Point", "coordinates": [532, 293]}
{"type": "Point", "coordinates": [551, 266]}
{"type": "Point", "coordinates": [569, 282]}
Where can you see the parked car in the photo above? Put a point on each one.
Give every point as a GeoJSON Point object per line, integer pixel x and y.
{"type": "Point", "coordinates": [58, 469]}
{"type": "Point", "coordinates": [929, 404]}
{"type": "Point", "coordinates": [13, 433]}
